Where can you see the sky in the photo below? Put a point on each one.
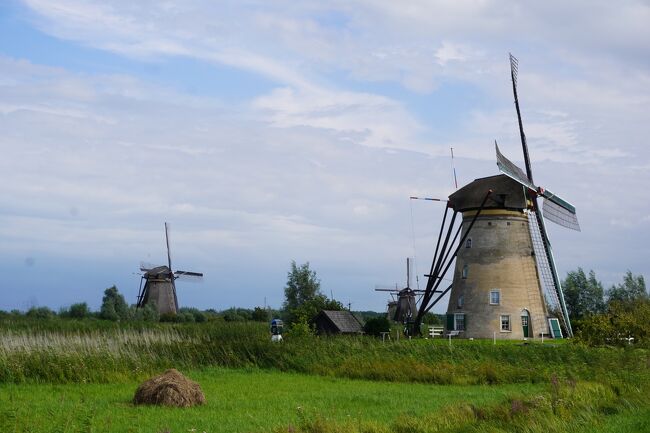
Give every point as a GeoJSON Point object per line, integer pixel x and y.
{"type": "Point", "coordinates": [266, 132]}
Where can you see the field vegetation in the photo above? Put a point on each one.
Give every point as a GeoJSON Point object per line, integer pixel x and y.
{"type": "Point", "coordinates": [77, 370]}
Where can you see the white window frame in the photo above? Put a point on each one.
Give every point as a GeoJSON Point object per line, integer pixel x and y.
{"type": "Point", "coordinates": [498, 293]}
{"type": "Point", "coordinates": [509, 329]}
{"type": "Point", "coordinates": [456, 317]}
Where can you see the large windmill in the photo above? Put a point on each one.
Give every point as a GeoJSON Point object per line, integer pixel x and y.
{"type": "Point", "coordinates": [159, 283]}
{"type": "Point", "coordinates": [505, 280]}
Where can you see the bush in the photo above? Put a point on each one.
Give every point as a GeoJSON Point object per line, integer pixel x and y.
{"type": "Point", "coordinates": [40, 313]}
{"type": "Point", "coordinates": [79, 311]}
{"type": "Point", "coordinates": [376, 326]}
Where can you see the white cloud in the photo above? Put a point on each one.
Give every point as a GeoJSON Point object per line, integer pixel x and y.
{"type": "Point", "coordinates": [321, 165]}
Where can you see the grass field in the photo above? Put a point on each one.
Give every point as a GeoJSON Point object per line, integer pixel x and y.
{"type": "Point", "coordinates": [71, 376]}
{"type": "Point", "coordinates": [237, 401]}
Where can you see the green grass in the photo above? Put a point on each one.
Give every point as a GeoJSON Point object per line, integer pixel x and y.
{"type": "Point", "coordinates": [97, 352]}
{"type": "Point", "coordinates": [237, 401]}
{"type": "Point", "coordinates": [67, 376]}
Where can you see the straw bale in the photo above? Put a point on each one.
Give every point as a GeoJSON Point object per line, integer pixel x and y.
{"type": "Point", "coordinates": [169, 389]}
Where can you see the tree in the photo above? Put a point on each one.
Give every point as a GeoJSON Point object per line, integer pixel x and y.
{"type": "Point", "coordinates": [260, 315]}
{"type": "Point", "coordinates": [583, 295]}
{"type": "Point", "coordinates": [302, 286]}
{"type": "Point", "coordinates": [40, 313]}
{"type": "Point", "coordinates": [633, 289]}
{"type": "Point", "coordinates": [376, 325]}
{"type": "Point", "coordinates": [114, 306]}
{"type": "Point", "coordinates": [303, 299]}
{"type": "Point", "coordinates": [79, 310]}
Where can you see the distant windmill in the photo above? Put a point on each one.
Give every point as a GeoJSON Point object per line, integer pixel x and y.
{"type": "Point", "coordinates": [505, 280]}
{"type": "Point", "coordinates": [159, 283]}
{"type": "Point", "coordinates": [404, 308]}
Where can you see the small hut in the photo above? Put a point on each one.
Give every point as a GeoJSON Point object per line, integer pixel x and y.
{"type": "Point", "coordinates": [337, 322]}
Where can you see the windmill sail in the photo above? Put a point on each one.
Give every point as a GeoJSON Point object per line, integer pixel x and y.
{"type": "Point", "coordinates": [509, 168]}
{"type": "Point", "coordinates": [559, 214]}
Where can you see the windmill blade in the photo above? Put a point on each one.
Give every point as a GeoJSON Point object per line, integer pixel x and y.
{"type": "Point", "coordinates": [169, 256]}
{"type": "Point", "coordinates": [509, 168]}
{"type": "Point", "coordinates": [514, 71]}
{"type": "Point", "coordinates": [547, 271]}
{"type": "Point", "coordinates": [193, 277]}
{"type": "Point", "coordinates": [559, 213]}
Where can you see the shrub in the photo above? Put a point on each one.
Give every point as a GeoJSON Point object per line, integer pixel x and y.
{"type": "Point", "coordinates": [79, 311]}
{"type": "Point", "coordinates": [40, 313]}
{"type": "Point", "coordinates": [376, 326]}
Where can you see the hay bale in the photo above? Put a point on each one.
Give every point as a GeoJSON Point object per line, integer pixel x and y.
{"type": "Point", "coordinates": [169, 389]}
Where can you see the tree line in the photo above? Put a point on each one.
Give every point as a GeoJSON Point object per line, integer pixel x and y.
{"type": "Point", "coordinates": [607, 317]}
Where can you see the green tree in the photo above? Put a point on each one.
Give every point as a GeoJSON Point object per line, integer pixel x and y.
{"type": "Point", "coordinates": [303, 298]}
{"type": "Point", "coordinates": [79, 311]}
{"type": "Point", "coordinates": [114, 307]}
{"type": "Point", "coordinates": [302, 286]}
{"type": "Point", "coordinates": [376, 325]}
{"type": "Point", "coordinates": [583, 295]}
{"type": "Point", "coordinates": [631, 290]}
{"type": "Point", "coordinates": [40, 313]}
{"type": "Point", "coordinates": [260, 315]}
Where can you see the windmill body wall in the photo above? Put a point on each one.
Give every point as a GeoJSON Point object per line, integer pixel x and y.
{"type": "Point", "coordinates": [499, 257]}
{"type": "Point", "coordinates": [162, 293]}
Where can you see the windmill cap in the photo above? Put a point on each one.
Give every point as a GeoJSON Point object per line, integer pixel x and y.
{"type": "Point", "coordinates": [506, 194]}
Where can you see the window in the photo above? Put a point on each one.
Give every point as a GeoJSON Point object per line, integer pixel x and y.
{"type": "Point", "coordinates": [495, 297]}
{"type": "Point", "coordinates": [468, 243]}
{"type": "Point", "coordinates": [524, 320]}
{"type": "Point", "coordinates": [459, 302]}
{"type": "Point", "coordinates": [465, 271]}
{"type": "Point", "coordinates": [459, 322]}
{"type": "Point", "coordinates": [505, 323]}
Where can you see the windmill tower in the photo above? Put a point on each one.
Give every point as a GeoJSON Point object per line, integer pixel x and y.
{"type": "Point", "coordinates": [505, 280]}
{"type": "Point", "coordinates": [159, 284]}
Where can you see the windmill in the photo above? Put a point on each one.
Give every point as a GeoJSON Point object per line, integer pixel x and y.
{"type": "Point", "coordinates": [404, 308]}
{"type": "Point", "coordinates": [159, 283]}
{"type": "Point", "coordinates": [504, 265]}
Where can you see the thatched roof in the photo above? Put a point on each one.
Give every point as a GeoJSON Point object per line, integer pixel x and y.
{"type": "Point", "coordinates": [169, 389]}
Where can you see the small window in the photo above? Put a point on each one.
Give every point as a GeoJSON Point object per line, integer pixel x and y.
{"type": "Point", "coordinates": [505, 323]}
{"type": "Point", "coordinates": [459, 301]}
{"type": "Point", "coordinates": [459, 322]}
{"type": "Point", "coordinates": [524, 320]}
{"type": "Point", "coordinates": [508, 222]}
{"type": "Point", "coordinates": [465, 272]}
{"type": "Point", "coordinates": [489, 223]}
{"type": "Point", "coordinates": [495, 297]}
{"type": "Point", "coordinates": [468, 243]}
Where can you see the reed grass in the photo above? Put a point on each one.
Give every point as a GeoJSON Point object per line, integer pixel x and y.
{"type": "Point", "coordinates": [96, 352]}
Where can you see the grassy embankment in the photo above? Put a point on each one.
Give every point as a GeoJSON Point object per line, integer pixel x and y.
{"type": "Point", "coordinates": [565, 387]}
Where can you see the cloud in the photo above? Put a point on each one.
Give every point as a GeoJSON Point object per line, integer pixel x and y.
{"type": "Point", "coordinates": [364, 100]}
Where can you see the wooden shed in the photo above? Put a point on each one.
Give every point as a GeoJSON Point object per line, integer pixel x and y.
{"type": "Point", "coordinates": [337, 322]}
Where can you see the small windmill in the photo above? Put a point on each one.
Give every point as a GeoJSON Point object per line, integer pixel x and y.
{"type": "Point", "coordinates": [404, 308]}
{"type": "Point", "coordinates": [554, 209]}
{"type": "Point", "coordinates": [159, 283]}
